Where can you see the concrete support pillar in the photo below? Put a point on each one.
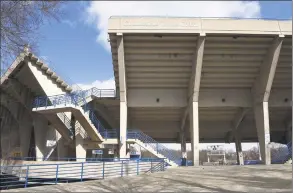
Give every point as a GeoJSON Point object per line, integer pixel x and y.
{"type": "Point", "coordinates": [62, 148]}
{"type": "Point", "coordinates": [123, 96]}
{"type": "Point", "coordinates": [40, 128]}
{"type": "Point", "coordinates": [128, 151]}
{"type": "Point", "coordinates": [183, 145]}
{"type": "Point", "coordinates": [239, 153]}
{"type": "Point", "coordinates": [261, 112]}
{"type": "Point", "coordinates": [194, 133]}
{"type": "Point", "coordinates": [80, 149]}
{"type": "Point", "coordinates": [123, 130]}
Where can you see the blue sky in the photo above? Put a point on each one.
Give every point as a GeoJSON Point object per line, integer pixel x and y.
{"type": "Point", "coordinates": [71, 45]}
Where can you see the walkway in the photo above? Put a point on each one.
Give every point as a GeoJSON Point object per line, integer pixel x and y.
{"type": "Point", "coordinates": [274, 178]}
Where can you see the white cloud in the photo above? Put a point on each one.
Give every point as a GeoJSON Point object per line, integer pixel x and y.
{"type": "Point", "coordinates": [98, 12]}
{"type": "Point", "coordinates": [103, 84]}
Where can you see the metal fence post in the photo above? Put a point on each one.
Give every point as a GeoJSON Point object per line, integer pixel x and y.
{"type": "Point", "coordinates": [121, 168]}
{"type": "Point", "coordinates": [26, 176]}
{"type": "Point", "coordinates": [137, 167]}
{"type": "Point", "coordinates": [103, 169]}
{"type": "Point", "coordinates": [57, 170]}
{"type": "Point", "coordinates": [151, 166]}
{"type": "Point", "coordinates": [81, 175]}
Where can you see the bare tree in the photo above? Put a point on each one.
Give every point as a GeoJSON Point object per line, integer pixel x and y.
{"type": "Point", "coordinates": [20, 21]}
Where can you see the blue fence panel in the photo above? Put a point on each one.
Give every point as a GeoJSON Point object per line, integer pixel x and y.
{"type": "Point", "coordinates": [22, 176]}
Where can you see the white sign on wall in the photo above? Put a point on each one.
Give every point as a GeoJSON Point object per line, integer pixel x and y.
{"type": "Point", "coordinates": [97, 151]}
{"type": "Point", "coordinates": [50, 143]}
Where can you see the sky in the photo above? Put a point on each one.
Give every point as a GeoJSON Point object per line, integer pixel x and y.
{"type": "Point", "coordinates": [76, 47]}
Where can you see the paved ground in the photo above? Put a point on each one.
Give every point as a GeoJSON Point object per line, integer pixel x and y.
{"type": "Point", "coordinates": [275, 178]}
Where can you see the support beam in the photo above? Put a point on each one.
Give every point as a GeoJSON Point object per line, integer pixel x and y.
{"type": "Point", "coordinates": [194, 83]}
{"type": "Point", "coordinates": [237, 139]}
{"type": "Point", "coordinates": [123, 97]}
{"type": "Point", "coordinates": [193, 95]}
{"type": "Point", "coordinates": [194, 133]}
{"type": "Point", "coordinates": [80, 149]}
{"type": "Point", "coordinates": [238, 146]}
{"type": "Point", "coordinates": [239, 117]}
{"type": "Point", "coordinates": [183, 145]}
{"type": "Point", "coordinates": [261, 91]}
{"type": "Point", "coordinates": [263, 83]}
{"type": "Point", "coordinates": [40, 128]}
{"type": "Point", "coordinates": [236, 122]}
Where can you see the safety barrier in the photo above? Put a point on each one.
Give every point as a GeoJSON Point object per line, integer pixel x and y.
{"type": "Point", "coordinates": [22, 176]}
{"type": "Point", "coordinates": [106, 93]}
{"type": "Point", "coordinates": [70, 159]}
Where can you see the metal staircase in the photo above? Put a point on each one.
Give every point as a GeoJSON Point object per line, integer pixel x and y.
{"type": "Point", "coordinates": [79, 99]}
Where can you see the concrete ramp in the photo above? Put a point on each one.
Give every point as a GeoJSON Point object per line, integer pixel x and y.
{"type": "Point", "coordinates": [81, 116]}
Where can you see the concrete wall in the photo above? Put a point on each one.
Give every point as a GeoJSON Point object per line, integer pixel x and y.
{"type": "Point", "coordinates": [10, 138]}
{"type": "Point", "coordinates": [49, 86]}
{"type": "Point", "coordinates": [148, 97]}
{"type": "Point", "coordinates": [21, 115]}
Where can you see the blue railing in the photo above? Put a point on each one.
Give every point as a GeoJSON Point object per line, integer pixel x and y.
{"type": "Point", "coordinates": [75, 97]}
{"type": "Point", "coordinates": [158, 147]}
{"type": "Point", "coordinates": [73, 159]}
{"type": "Point", "coordinates": [22, 176]}
{"type": "Point", "coordinates": [111, 93]}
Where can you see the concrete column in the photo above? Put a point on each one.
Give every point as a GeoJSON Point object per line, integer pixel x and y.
{"type": "Point", "coordinates": [128, 151]}
{"type": "Point", "coordinates": [80, 149]}
{"type": "Point", "coordinates": [183, 145]}
{"type": "Point", "coordinates": [62, 148]}
{"type": "Point", "coordinates": [194, 133]}
{"type": "Point", "coordinates": [261, 113]}
{"type": "Point", "coordinates": [123, 96]}
{"type": "Point", "coordinates": [40, 128]}
{"type": "Point", "coordinates": [239, 153]}
{"type": "Point", "coordinates": [123, 130]}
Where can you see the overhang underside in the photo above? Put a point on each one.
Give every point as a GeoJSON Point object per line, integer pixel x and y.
{"type": "Point", "coordinates": [23, 77]}
{"type": "Point", "coordinates": [229, 61]}
{"type": "Point", "coordinates": [164, 61]}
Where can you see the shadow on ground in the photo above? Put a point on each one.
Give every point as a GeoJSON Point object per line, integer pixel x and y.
{"type": "Point", "coordinates": [231, 179]}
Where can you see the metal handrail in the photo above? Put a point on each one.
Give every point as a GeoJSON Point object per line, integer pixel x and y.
{"type": "Point", "coordinates": [23, 176]}
{"type": "Point", "coordinates": [158, 147]}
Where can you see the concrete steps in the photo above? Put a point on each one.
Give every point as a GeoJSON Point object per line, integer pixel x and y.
{"type": "Point", "coordinates": [154, 152]}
